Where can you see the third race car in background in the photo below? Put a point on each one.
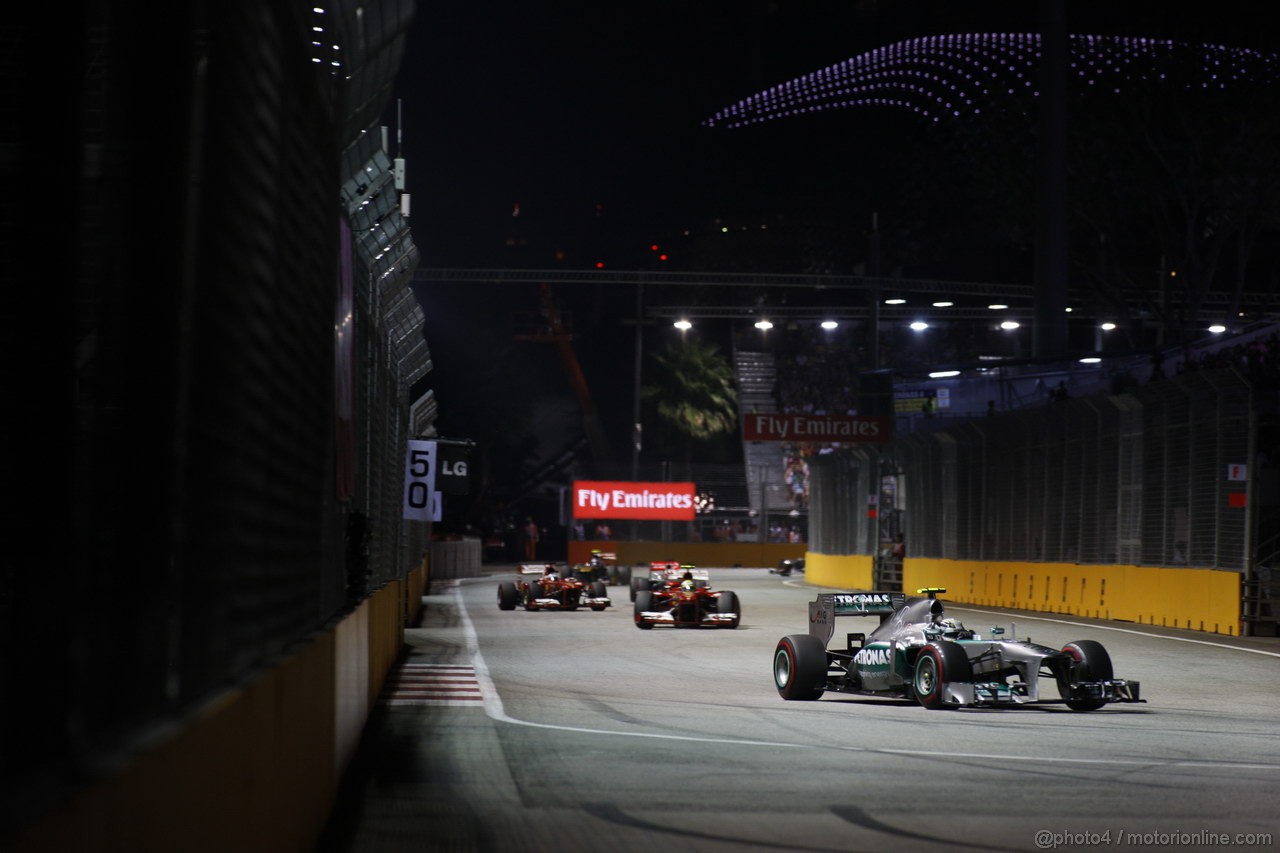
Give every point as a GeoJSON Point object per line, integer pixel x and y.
{"type": "Point", "coordinates": [681, 596]}
{"type": "Point", "coordinates": [547, 586]}
{"type": "Point", "coordinates": [917, 652]}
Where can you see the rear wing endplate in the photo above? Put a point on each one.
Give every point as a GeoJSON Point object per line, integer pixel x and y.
{"type": "Point", "coordinates": [828, 605]}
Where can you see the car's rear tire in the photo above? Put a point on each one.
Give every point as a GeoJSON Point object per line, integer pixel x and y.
{"type": "Point", "coordinates": [599, 590]}
{"type": "Point", "coordinates": [643, 601]}
{"type": "Point", "coordinates": [800, 667]}
{"type": "Point", "coordinates": [1092, 663]}
{"type": "Point", "coordinates": [638, 584]}
{"type": "Point", "coordinates": [936, 664]}
{"type": "Point", "coordinates": [727, 602]}
{"type": "Point", "coordinates": [508, 596]}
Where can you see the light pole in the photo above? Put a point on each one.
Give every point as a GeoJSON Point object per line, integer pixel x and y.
{"type": "Point", "coordinates": [636, 433]}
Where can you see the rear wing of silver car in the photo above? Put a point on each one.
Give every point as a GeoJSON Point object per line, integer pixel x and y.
{"type": "Point", "coordinates": [828, 605]}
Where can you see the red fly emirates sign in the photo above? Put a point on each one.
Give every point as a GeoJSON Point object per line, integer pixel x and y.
{"type": "Point", "coordinates": [827, 429]}
{"type": "Point", "coordinates": [661, 501]}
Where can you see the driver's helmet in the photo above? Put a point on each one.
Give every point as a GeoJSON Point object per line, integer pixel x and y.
{"type": "Point", "coordinates": [549, 571]}
{"type": "Point", "coordinates": [946, 628]}
{"type": "Point", "coordinates": [688, 576]}
{"type": "Point", "coordinates": [687, 584]}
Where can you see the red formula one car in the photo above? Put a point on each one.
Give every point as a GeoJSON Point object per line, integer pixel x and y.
{"type": "Point", "coordinates": [681, 596]}
{"type": "Point", "coordinates": [546, 586]}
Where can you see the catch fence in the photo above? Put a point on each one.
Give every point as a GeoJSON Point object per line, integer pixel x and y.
{"type": "Point", "coordinates": [1159, 476]}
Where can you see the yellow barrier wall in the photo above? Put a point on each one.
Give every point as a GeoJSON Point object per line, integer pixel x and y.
{"type": "Point", "coordinates": [386, 635]}
{"type": "Point", "coordinates": [723, 554]}
{"type": "Point", "coordinates": [255, 770]}
{"type": "Point", "coordinates": [840, 572]}
{"type": "Point", "coordinates": [350, 685]}
{"type": "Point", "coordinates": [417, 587]}
{"type": "Point", "coordinates": [1196, 599]}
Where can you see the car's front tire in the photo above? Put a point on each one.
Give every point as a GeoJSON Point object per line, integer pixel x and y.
{"type": "Point", "coordinates": [1092, 663]}
{"type": "Point", "coordinates": [508, 596]}
{"type": "Point", "coordinates": [642, 604]}
{"type": "Point", "coordinates": [936, 664]}
{"type": "Point", "coordinates": [800, 667]}
{"type": "Point", "coordinates": [727, 602]}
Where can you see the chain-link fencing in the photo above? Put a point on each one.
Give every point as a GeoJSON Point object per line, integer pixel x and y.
{"type": "Point", "coordinates": [1158, 476]}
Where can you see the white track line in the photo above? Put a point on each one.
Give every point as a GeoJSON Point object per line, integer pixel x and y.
{"type": "Point", "coordinates": [494, 709]}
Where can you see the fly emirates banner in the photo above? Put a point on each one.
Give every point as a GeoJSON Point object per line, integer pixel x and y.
{"type": "Point", "coordinates": [660, 501]}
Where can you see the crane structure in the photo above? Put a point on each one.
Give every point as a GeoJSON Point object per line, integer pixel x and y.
{"type": "Point", "coordinates": [550, 328]}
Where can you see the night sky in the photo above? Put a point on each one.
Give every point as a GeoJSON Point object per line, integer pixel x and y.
{"type": "Point", "coordinates": [558, 135]}
{"type": "Point", "coordinates": [578, 112]}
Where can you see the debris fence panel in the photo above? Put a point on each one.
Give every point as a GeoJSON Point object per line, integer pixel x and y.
{"type": "Point", "coordinates": [1154, 477]}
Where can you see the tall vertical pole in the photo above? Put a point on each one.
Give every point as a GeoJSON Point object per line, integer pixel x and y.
{"type": "Point", "coordinates": [636, 432]}
{"type": "Point", "coordinates": [1050, 330]}
{"type": "Point", "coordinates": [1248, 564]}
{"type": "Point", "coordinates": [873, 270]}
{"type": "Point", "coordinates": [872, 496]}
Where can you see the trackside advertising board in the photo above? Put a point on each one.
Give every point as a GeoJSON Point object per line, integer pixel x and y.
{"type": "Point", "coordinates": [827, 429]}
{"type": "Point", "coordinates": [659, 501]}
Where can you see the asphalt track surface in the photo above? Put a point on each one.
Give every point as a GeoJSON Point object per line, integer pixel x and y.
{"type": "Point", "coordinates": [577, 732]}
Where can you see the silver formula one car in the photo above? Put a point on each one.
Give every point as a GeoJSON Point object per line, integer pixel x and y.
{"type": "Point", "coordinates": [918, 652]}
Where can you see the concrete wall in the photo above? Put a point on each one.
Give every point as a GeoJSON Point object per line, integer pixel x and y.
{"type": "Point", "coordinates": [455, 558]}
{"type": "Point", "coordinates": [257, 768]}
{"type": "Point", "coordinates": [1197, 599]}
{"type": "Point", "coordinates": [839, 572]}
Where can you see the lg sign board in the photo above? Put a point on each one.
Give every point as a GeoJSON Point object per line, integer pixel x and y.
{"type": "Point", "coordinates": [659, 501]}
{"type": "Point", "coordinates": [828, 429]}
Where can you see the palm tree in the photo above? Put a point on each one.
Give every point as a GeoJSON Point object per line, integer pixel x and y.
{"type": "Point", "coordinates": [694, 392]}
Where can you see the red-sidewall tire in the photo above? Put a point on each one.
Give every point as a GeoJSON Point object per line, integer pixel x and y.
{"type": "Point", "coordinates": [800, 667]}
{"type": "Point", "coordinates": [936, 664]}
